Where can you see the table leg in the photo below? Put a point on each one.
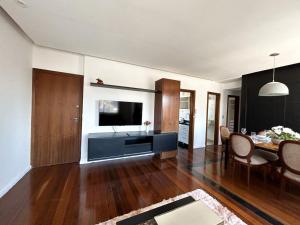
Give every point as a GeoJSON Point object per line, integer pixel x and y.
{"type": "Point", "coordinates": [226, 153]}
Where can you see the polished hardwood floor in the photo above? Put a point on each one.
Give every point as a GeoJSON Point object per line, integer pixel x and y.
{"type": "Point", "coordinates": [88, 194]}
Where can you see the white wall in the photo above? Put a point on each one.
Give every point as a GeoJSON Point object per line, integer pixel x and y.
{"type": "Point", "coordinates": [235, 84]}
{"type": "Point", "coordinates": [55, 60]}
{"type": "Point", "coordinates": [232, 87]}
{"type": "Point", "coordinates": [117, 73]}
{"type": "Point", "coordinates": [15, 103]}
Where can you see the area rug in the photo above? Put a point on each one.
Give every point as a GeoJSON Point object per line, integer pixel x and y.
{"type": "Point", "coordinates": [229, 217]}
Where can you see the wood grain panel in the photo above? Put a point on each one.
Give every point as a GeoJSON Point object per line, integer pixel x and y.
{"type": "Point", "coordinates": [167, 102]}
{"type": "Point", "coordinates": [158, 106]}
{"type": "Point", "coordinates": [56, 117]}
{"type": "Point", "coordinates": [167, 155]}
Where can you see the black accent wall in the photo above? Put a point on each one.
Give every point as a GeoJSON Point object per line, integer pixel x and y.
{"type": "Point", "coordinates": [258, 113]}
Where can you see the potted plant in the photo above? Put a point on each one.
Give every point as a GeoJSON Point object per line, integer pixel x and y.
{"type": "Point", "coordinates": [280, 133]}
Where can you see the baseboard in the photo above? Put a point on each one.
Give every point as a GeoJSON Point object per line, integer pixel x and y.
{"type": "Point", "coordinates": [12, 183]}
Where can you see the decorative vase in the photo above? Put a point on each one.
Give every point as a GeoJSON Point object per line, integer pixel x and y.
{"type": "Point", "coordinates": [276, 141]}
{"type": "Point", "coordinates": [147, 129]}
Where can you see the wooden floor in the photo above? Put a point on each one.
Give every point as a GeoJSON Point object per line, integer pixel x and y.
{"type": "Point", "coordinates": [88, 194]}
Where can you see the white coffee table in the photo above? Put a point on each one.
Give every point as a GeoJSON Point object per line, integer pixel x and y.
{"type": "Point", "coordinates": [194, 213]}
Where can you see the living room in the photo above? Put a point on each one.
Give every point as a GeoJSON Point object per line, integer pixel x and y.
{"type": "Point", "coordinates": [91, 112]}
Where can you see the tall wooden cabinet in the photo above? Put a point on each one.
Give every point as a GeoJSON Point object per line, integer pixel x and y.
{"type": "Point", "coordinates": [167, 102]}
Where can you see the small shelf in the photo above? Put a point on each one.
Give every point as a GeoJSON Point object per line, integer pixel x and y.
{"type": "Point", "coordinates": [139, 141]}
{"type": "Point", "coordinates": [122, 87]}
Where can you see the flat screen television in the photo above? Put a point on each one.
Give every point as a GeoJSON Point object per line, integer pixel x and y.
{"type": "Point", "coordinates": [115, 113]}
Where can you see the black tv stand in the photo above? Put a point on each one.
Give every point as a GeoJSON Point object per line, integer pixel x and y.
{"type": "Point", "coordinates": [121, 144]}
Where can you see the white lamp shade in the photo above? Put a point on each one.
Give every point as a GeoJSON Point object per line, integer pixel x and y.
{"type": "Point", "coordinates": [274, 89]}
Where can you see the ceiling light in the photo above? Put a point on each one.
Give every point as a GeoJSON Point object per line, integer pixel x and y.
{"type": "Point", "coordinates": [274, 88]}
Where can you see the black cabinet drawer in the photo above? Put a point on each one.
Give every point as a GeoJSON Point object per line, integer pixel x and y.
{"type": "Point", "coordinates": [138, 149]}
{"type": "Point", "coordinates": [105, 148]}
{"type": "Point", "coordinates": [164, 142]}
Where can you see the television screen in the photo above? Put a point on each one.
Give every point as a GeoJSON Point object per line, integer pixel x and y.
{"type": "Point", "coordinates": [115, 113]}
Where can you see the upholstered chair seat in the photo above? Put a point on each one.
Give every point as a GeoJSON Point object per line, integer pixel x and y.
{"type": "Point", "coordinates": [271, 157]}
{"type": "Point", "coordinates": [290, 175]}
{"type": "Point", "coordinates": [255, 160]}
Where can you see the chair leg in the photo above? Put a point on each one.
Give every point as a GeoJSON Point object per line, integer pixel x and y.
{"type": "Point", "coordinates": [222, 156]}
{"type": "Point", "coordinates": [248, 175]}
{"type": "Point", "coordinates": [233, 169]}
{"type": "Point", "coordinates": [282, 186]}
{"type": "Point", "coordinates": [205, 160]}
{"type": "Point", "coordinates": [222, 162]}
{"type": "Point", "coordinates": [265, 173]}
{"type": "Point", "coordinates": [273, 167]}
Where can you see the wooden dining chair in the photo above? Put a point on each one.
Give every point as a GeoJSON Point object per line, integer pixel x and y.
{"type": "Point", "coordinates": [289, 155]}
{"type": "Point", "coordinates": [225, 134]}
{"type": "Point", "coordinates": [243, 153]}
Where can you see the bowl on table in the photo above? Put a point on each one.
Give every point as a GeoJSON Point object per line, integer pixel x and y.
{"type": "Point", "coordinates": [261, 137]}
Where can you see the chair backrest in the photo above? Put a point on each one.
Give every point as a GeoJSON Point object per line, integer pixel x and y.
{"type": "Point", "coordinates": [225, 133]}
{"type": "Point", "coordinates": [289, 154]}
{"type": "Point", "coordinates": [242, 145]}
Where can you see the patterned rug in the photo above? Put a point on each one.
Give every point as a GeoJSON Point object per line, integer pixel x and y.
{"type": "Point", "coordinates": [229, 217]}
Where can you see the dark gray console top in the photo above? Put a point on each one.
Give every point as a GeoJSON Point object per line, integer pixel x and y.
{"type": "Point", "coordinates": [122, 134]}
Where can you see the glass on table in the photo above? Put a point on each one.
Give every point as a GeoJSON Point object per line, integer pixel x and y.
{"type": "Point", "coordinates": [244, 130]}
{"type": "Point", "coordinates": [253, 136]}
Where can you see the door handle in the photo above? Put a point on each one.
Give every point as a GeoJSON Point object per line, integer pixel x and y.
{"type": "Point", "coordinates": [76, 119]}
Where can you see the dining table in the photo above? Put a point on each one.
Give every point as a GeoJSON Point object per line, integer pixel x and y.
{"type": "Point", "coordinates": [266, 146]}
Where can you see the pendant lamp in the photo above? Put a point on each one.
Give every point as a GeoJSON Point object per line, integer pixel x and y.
{"type": "Point", "coordinates": [274, 88]}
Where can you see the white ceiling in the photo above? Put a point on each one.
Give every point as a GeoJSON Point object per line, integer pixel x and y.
{"type": "Point", "coordinates": [216, 40]}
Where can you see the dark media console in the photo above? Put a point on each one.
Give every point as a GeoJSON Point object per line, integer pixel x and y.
{"type": "Point", "coordinates": [121, 144]}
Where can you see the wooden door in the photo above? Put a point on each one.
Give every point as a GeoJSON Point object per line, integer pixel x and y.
{"type": "Point", "coordinates": [56, 118]}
